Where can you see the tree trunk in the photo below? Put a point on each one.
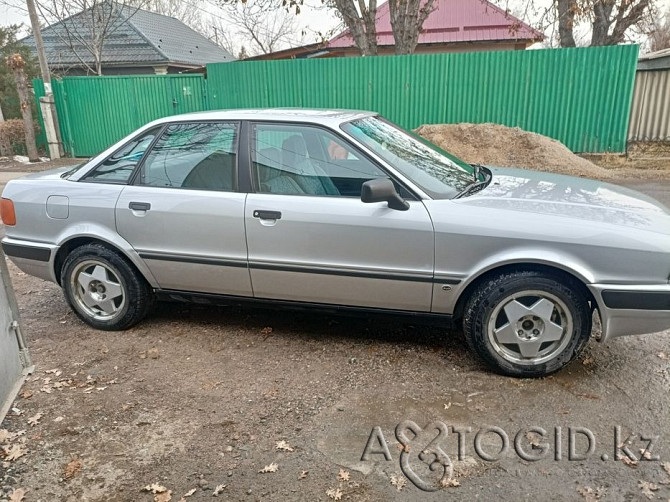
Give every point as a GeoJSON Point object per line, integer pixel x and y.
{"type": "Point", "coordinates": [407, 18]}
{"type": "Point", "coordinates": [566, 22]}
{"type": "Point", "coordinates": [361, 26]}
{"type": "Point", "coordinates": [602, 12]}
{"type": "Point", "coordinates": [16, 64]}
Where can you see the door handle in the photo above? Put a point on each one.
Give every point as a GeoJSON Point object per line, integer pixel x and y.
{"type": "Point", "coordinates": [267, 215]}
{"type": "Point", "coordinates": [139, 206]}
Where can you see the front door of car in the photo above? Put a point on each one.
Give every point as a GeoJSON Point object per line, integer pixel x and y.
{"type": "Point", "coordinates": [312, 239]}
{"type": "Point", "coordinates": [182, 213]}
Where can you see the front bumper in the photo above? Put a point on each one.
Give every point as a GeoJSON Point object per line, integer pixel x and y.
{"type": "Point", "coordinates": [33, 258]}
{"type": "Point", "coordinates": [632, 310]}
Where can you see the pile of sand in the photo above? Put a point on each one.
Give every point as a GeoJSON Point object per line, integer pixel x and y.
{"type": "Point", "coordinates": [497, 145]}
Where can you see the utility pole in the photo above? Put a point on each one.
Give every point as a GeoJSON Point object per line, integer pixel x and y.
{"type": "Point", "coordinates": [48, 105]}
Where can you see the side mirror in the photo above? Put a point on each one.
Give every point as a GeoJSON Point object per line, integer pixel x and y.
{"type": "Point", "coordinates": [383, 190]}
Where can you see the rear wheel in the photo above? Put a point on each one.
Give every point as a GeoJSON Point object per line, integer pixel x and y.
{"type": "Point", "coordinates": [104, 289]}
{"type": "Point", "coordinates": [527, 324]}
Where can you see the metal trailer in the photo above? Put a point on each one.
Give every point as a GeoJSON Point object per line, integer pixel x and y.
{"type": "Point", "coordinates": [15, 362]}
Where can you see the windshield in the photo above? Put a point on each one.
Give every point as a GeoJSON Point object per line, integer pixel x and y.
{"type": "Point", "coordinates": [438, 173]}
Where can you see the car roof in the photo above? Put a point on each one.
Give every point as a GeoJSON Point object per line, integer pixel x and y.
{"type": "Point", "coordinates": [312, 115]}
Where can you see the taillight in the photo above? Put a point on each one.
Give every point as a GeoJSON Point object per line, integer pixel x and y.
{"type": "Point", "coordinates": [7, 212]}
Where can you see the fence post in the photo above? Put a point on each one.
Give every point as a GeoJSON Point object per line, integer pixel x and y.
{"type": "Point", "coordinates": [47, 103]}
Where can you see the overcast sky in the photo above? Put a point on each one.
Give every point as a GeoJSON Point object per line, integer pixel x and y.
{"type": "Point", "coordinates": [313, 17]}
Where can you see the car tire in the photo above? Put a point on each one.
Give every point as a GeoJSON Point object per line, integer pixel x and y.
{"type": "Point", "coordinates": [528, 323]}
{"type": "Point", "coordinates": [104, 289]}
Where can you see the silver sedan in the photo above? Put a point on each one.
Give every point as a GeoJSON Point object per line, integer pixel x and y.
{"type": "Point", "coordinates": [342, 209]}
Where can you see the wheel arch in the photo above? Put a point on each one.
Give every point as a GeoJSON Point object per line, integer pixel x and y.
{"type": "Point", "coordinates": [549, 268]}
{"type": "Point", "coordinates": [76, 241]}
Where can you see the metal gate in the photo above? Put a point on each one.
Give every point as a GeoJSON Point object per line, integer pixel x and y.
{"type": "Point", "coordinates": [15, 362]}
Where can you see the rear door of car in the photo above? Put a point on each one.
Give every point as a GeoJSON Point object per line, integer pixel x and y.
{"type": "Point", "coordinates": [183, 213]}
{"type": "Point", "coordinates": [312, 239]}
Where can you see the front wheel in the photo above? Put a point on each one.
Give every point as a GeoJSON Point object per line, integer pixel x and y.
{"type": "Point", "coordinates": [103, 288]}
{"type": "Point", "coordinates": [527, 324]}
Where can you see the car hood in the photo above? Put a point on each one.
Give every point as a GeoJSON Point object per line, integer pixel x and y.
{"type": "Point", "coordinates": [566, 196]}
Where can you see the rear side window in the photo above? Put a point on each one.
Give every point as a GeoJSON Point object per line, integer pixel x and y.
{"type": "Point", "coordinates": [200, 156]}
{"type": "Point", "coordinates": [120, 166]}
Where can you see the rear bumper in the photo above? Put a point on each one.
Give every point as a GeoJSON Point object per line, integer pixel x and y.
{"type": "Point", "coordinates": [33, 258]}
{"type": "Point", "coordinates": [632, 310]}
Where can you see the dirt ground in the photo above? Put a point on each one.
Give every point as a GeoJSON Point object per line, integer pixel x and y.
{"type": "Point", "coordinates": [498, 145]}
{"type": "Point", "coordinates": [206, 398]}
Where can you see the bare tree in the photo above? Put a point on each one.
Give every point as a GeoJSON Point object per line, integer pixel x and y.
{"type": "Point", "coordinates": [407, 18]}
{"type": "Point", "coordinates": [587, 22]}
{"type": "Point", "coordinates": [657, 31]}
{"type": "Point", "coordinates": [84, 26]}
{"type": "Point", "coordinates": [16, 63]}
{"type": "Point", "coordinates": [190, 13]}
{"type": "Point", "coordinates": [218, 32]}
{"type": "Point", "coordinates": [359, 16]}
{"type": "Point", "coordinates": [264, 24]}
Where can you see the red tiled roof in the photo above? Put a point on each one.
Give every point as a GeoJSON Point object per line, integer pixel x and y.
{"type": "Point", "coordinates": [453, 21]}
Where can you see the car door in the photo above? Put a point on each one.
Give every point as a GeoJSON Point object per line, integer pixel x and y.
{"type": "Point", "coordinates": [182, 212]}
{"type": "Point", "coordinates": [311, 238]}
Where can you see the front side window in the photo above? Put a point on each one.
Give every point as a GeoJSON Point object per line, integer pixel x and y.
{"type": "Point", "coordinates": [303, 160]}
{"type": "Point", "coordinates": [120, 166]}
{"type": "Point", "coordinates": [200, 156]}
{"type": "Point", "coordinates": [438, 173]}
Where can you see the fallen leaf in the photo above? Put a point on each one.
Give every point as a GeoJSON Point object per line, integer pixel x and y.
{"type": "Point", "coordinates": [664, 356]}
{"type": "Point", "coordinates": [398, 481]}
{"type": "Point", "coordinates": [188, 494]}
{"type": "Point", "coordinates": [154, 488]}
{"type": "Point", "coordinates": [72, 468]}
{"type": "Point", "coordinates": [646, 454]}
{"type": "Point", "coordinates": [270, 468]}
{"type": "Point", "coordinates": [27, 394]}
{"type": "Point", "coordinates": [665, 465]}
{"type": "Point", "coordinates": [450, 483]}
{"type": "Point", "coordinates": [58, 419]}
{"type": "Point", "coordinates": [334, 493]}
{"type": "Point", "coordinates": [219, 490]}
{"type": "Point", "coordinates": [35, 419]}
{"type": "Point", "coordinates": [14, 452]}
{"type": "Point", "coordinates": [591, 495]}
{"type": "Point", "coordinates": [153, 353]}
{"type": "Point", "coordinates": [447, 405]}
{"type": "Point", "coordinates": [266, 331]}
{"type": "Point", "coordinates": [283, 445]}
{"type": "Point", "coordinates": [533, 438]}
{"type": "Point", "coordinates": [303, 474]}
{"type": "Point", "coordinates": [587, 361]}
{"type": "Point", "coordinates": [5, 435]}
{"type": "Point", "coordinates": [17, 495]}
{"type": "Point", "coordinates": [626, 460]}
{"type": "Point", "coordinates": [343, 475]}
{"type": "Point", "coordinates": [647, 488]}
{"type": "Point", "coordinates": [163, 496]}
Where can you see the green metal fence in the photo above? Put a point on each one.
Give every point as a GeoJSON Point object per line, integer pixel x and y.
{"type": "Point", "coordinates": [94, 112]}
{"type": "Point", "coordinates": [581, 97]}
